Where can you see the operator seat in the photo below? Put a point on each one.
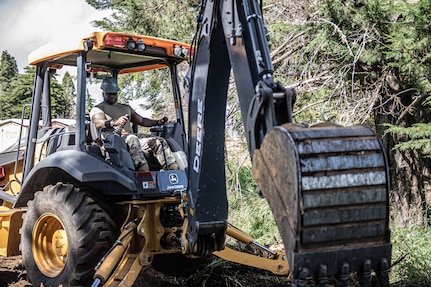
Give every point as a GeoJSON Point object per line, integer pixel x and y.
{"type": "Point", "coordinates": [114, 145]}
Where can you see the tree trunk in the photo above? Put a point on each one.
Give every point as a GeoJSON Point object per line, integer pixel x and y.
{"type": "Point", "coordinates": [409, 172]}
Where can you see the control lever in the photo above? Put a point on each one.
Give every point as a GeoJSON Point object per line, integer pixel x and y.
{"type": "Point", "coordinates": [160, 128]}
{"type": "Point", "coordinates": [118, 129]}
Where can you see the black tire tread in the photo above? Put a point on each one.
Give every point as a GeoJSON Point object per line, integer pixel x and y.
{"type": "Point", "coordinates": [93, 232]}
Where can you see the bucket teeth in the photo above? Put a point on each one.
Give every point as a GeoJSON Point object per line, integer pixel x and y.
{"type": "Point", "coordinates": [383, 272]}
{"type": "Point", "coordinates": [344, 276]}
{"type": "Point", "coordinates": [301, 281]}
{"type": "Point", "coordinates": [365, 276]}
{"type": "Point", "coordinates": [322, 279]}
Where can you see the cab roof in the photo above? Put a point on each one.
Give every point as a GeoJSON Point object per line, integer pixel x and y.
{"type": "Point", "coordinates": [112, 51]}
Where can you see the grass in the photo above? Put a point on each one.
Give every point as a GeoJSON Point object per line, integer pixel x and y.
{"type": "Point", "coordinates": [249, 211]}
{"type": "Point", "coordinates": [411, 256]}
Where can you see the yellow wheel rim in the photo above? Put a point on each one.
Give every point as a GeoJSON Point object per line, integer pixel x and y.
{"type": "Point", "coordinates": [50, 245]}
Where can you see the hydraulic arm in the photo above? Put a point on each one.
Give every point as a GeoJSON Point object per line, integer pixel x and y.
{"type": "Point", "coordinates": [231, 35]}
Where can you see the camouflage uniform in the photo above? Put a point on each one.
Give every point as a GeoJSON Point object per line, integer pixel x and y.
{"type": "Point", "coordinates": [156, 145]}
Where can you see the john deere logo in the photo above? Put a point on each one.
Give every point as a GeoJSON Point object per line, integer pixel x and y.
{"type": "Point", "coordinates": [173, 178]}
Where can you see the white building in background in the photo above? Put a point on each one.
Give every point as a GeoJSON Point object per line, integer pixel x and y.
{"type": "Point", "coordinates": [10, 129]}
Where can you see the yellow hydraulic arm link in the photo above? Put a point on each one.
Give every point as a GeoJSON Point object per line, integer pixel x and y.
{"type": "Point", "coordinates": [121, 265]}
{"type": "Point", "coordinates": [276, 261]}
{"type": "Point", "coordinates": [110, 263]}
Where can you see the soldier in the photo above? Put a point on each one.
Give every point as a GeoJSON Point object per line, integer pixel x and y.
{"type": "Point", "coordinates": [110, 115]}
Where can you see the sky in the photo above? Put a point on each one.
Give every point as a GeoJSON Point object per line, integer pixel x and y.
{"type": "Point", "coordinates": [28, 24]}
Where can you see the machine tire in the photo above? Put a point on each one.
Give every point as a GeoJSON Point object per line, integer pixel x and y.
{"type": "Point", "coordinates": [64, 216]}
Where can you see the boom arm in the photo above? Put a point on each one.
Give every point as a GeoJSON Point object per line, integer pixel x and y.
{"type": "Point", "coordinates": [231, 34]}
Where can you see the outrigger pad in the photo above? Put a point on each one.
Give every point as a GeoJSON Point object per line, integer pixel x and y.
{"type": "Point", "coordinates": [327, 187]}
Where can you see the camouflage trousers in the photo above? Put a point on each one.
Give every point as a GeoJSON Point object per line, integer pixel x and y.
{"type": "Point", "coordinates": [155, 145]}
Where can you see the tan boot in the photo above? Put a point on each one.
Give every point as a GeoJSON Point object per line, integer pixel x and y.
{"type": "Point", "coordinates": [173, 166]}
{"type": "Point", "coordinates": [144, 167]}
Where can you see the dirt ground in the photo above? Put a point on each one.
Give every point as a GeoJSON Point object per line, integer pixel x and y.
{"type": "Point", "coordinates": [12, 273]}
{"type": "Point", "coordinates": [218, 273]}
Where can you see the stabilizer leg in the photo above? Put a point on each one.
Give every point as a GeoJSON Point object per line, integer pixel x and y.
{"type": "Point", "coordinates": [275, 262]}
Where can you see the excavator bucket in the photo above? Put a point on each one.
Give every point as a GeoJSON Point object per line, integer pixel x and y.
{"type": "Point", "coordinates": [327, 187]}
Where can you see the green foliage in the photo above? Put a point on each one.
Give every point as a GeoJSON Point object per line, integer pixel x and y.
{"type": "Point", "coordinates": [8, 73]}
{"type": "Point", "coordinates": [419, 137]}
{"type": "Point", "coordinates": [411, 256]}
{"type": "Point", "coordinates": [248, 211]}
{"type": "Point", "coordinates": [58, 101]}
{"type": "Point", "coordinates": [410, 56]}
{"type": "Point", "coordinates": [159, 18]}
{"type": "Point", "coordinates": [16, 90]}
{"type": "Point", "coordinates": [409, 47]}
{"type": "Point", "coordinates": [89, 103]}
{"type": "Point", "coordinates": [375, 58]}
{"type": "Point", "coordinates": [19, 94]}
{"type": "Point", "coordinates": [352, 42]}
{"type": "Point", "coordinates": [370, 58]}
{"type": "Point", "coordinates": [68, 96]}
{"type": "Point", "coordinates": [8, 69]}
{"type": "Point", "coordinates": [154, 86]}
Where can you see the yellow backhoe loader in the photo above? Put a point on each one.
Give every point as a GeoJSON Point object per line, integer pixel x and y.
{"type": "Point", "coordinates": [81, 215]}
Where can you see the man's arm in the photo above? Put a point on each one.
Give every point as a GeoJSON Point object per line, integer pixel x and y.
{"type": "Point", "coordinates": [101, 121]}
{"type": "Point", "coordinates": [146, 122]}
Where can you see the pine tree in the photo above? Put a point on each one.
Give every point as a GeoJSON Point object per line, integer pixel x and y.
{"type": "Point", "coordinates": [159, 18]}
{"type": "Point", "coordinates": [19, 94]}
{"type": "Point", "coordinates": [69, 96]}
{"type": "Point", "coordinates": [89, 103]}
{"type": "Point", "coordinates": [8, 68]}
{"type": "Point", "coordinates": [374, 59]}
{"type": "Point", "coordinates": [8, 73]}
{"type": "Point", "coordinates": [58, 100]}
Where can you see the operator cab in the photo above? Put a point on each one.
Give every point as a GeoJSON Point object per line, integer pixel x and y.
{"type": "Point", "coordinates": [136, 59]}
